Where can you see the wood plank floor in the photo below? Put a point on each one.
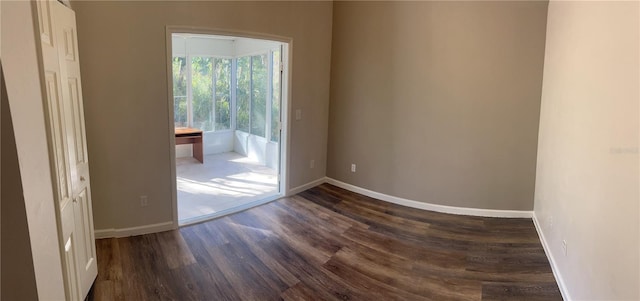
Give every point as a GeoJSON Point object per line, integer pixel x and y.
{"type": "Point", "coordinates": [330, 244]}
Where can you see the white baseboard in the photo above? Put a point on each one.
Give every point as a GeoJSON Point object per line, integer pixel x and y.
{"type": "Point", "coordinates": [432, 207]}
{"type": "Point", "coordinates": [159, 227]}
{"type": "Point", "coordinates": [124, 232]}
{"type": "Point", "coordinates": [306, 186]}
{"type": "Point", "coordinates": [552, 261]}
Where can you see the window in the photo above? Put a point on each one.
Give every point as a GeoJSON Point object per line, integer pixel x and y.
{"type": "Point", "coordinates": [243, 86]}
{"type": "Point", "coordinates": [259, 77]}
{"type": "Point", "coordinates": [258, 94]}
{"type": "Point", "coordinates": [275, 95]}
{"type": "Point", "coordinates": [223, 94]}
{"type": "Point", "coordinates": [194, 90]}
{"type": "Point", "coordinates": [202, 91]}
{"type": "Point", "coordinates": [252, 94]}
{"type": "Point", "coordinates": [180, 91]}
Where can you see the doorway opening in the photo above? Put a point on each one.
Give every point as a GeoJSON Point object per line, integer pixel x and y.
{"type": "Point", "coordinates": [229, 102]}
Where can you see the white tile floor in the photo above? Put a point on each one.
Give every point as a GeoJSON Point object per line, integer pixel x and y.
{"type": "Point", "coordinates": [223, 182]}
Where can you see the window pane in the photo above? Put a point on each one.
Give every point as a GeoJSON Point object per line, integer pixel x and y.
{"type": "Point", "coordinates": [243, 78]}
{"type": "Point", "coordinates": [275, 97]}
{"type": "Point", "coordinates": [180, 91]}
{"type": "Point", "coordinates": [259, 94]}
{"type": "Point", "coordinates": [180, 111]}
{"type": "Point", "coordinates": [223, 94]}
{"type": "Point", "coordinates": [202, 91]}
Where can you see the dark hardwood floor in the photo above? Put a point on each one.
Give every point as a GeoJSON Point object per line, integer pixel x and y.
{"type": "Point", "coordinates": [330, 244]}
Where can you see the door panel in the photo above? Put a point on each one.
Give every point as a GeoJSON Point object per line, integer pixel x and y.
{"type": "Point", "coordinates": [86, 252]}
{"type": "Point", "coordinates": [59, 144]}
{"type": "Point", "coordinates": [44, 22]}
{"type": "Point", "coordinates": [80, 145]}
{"type": "Point", "coordinates": [70, 268]}
{"type": "Point", "coordinates": [69, 43]}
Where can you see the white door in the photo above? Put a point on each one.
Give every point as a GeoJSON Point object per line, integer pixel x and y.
{"type": "Point", "coordinates": [77, 147]}
{"type": "Point", "coordinates": [57, 28]}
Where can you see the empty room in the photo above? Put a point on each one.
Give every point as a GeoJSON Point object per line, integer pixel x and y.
{"type": "Point", "coordinates": [320, 150]}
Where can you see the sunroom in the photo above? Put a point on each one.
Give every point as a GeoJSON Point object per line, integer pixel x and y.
{"type": "Point", "coordinates": [229, 91]}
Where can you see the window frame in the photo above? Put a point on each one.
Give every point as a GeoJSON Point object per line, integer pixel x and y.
{"type": "Point", "coordinates": [233, 92]}
{"type": "Point", "coordinates": [269, 102]}
{"type": "Point", "coordinates": [189, 90]}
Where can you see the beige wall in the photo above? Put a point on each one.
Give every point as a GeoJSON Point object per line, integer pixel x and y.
{"type": "Point", "coordinates": [20, 66]}
{"type": "Point", "coordinates": [438, 101]}
{"type": "Point", "coordinates": [123, 63]}
{"type": "Point", "coordinates": [587, 181]}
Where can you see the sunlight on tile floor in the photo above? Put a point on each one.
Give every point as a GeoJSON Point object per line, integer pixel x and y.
{"type": "Point", "coordinates": [224, 181]}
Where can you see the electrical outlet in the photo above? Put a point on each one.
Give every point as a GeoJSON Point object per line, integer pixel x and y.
{"type": "Point", "coordinates": [312, 163]}
{"type": "Point", "coordinates": [298, 114]}
{"type": "Point", "coordinates": [353, 168]}
{"type": "Point", "coordinates": [144, 201]}
{"type": "Point", "coordinates": [550, 222]}
{"type": "Point", "coordinates": [564, 247]}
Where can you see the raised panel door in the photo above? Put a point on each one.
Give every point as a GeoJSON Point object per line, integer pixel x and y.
{"type": "Point", "coordinates": [85, 253]}
{"type": "Point", "coordinates": [67, 145]}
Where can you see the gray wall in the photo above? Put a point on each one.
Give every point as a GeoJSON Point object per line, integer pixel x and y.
{"type": "Point", "coordinates": [587, 181]}
{"type": "Point", "coordinates": [123, 64]}
{"type": "Point", "coordinates": [17, 274]}
{"type": "Point", "coordinates": [438, 101]}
